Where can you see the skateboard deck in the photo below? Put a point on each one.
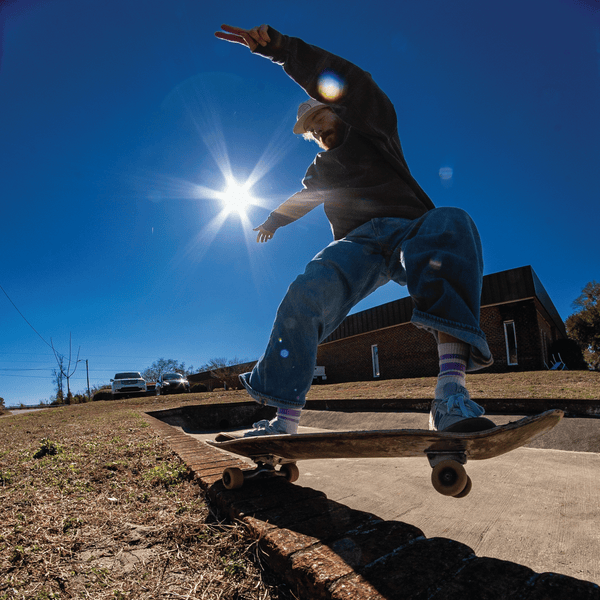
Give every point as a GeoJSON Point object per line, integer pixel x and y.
{"type": "Point", "coordinates": [447, 452]}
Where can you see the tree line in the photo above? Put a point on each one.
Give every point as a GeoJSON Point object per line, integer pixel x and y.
{"type": "Point", "coordinates": [583, 326]}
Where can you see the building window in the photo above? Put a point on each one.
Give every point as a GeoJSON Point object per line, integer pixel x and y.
{"type": "Point", "coordinates": [375, 359]}
{"type": "Point", "coordinates": [545, 349]}
{"type": "Point", "coordinates": [510, 335]}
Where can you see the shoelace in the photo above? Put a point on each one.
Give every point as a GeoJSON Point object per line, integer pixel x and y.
{"type": "Point", "coordinates": [456, 405]}
{"type": "Point", "coordinates": [267, 426]}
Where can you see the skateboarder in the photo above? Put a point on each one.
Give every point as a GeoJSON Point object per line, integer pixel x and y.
{"type": "Point", "coordinates": [385, 227]}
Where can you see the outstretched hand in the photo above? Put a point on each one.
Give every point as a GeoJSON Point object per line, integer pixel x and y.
{"type": "Point", "coordinates": [263, 234]}
{"type": "Point", "coordinates": [257, 36]}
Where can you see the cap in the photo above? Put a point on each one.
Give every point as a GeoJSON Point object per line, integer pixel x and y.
{"type": "Point", "coordinates": [306, 109]}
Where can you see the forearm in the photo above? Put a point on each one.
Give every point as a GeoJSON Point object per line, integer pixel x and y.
{"type": "Point", "coordinates": [291, 210]}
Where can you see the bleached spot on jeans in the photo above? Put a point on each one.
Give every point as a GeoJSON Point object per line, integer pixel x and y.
{"type": "Point", "coordinates": [435, 264]}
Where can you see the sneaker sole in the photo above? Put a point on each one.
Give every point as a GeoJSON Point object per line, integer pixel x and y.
{"type": "Point", "coordinates": [470, 425]}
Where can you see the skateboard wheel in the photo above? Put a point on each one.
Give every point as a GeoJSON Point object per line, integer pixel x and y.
{"type": "Point", "coordinates": [233, 478]}
{"type": "Point", "coordinates": [449, 478]}
{"type": "Point", "coordinates": [467, 489]}
{"type": "Point", "coordinates": [290, 471]}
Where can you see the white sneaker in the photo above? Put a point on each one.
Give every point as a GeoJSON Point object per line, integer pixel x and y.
{"type": "Point", "coordinates": [265, 427]}
{"type": "Point", "coordinates": [457, 412]}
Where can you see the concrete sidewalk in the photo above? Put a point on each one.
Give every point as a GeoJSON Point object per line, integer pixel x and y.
{"type": "Point", "coordinates": [375, 528]}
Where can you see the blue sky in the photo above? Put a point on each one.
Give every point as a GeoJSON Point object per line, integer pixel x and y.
{"type": "Point", "coordinates": [118, 118]}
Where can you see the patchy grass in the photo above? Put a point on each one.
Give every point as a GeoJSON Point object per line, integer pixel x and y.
{"type": "Point", "coordinates": [94, 505]}
{"type": "Point", "coordinates": [576, 385]}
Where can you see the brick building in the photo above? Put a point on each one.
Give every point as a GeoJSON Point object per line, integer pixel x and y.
{"type": "Point", "coordinates": [517, 317]}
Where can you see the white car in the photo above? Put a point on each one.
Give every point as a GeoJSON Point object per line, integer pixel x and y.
{"type": "Point", "coordinates": [131, 382]}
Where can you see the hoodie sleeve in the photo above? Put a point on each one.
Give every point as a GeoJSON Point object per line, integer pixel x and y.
{"type": "Point", "coordinates": [295, 206]}
{"type": "Point", "coordinates": [361, 103]}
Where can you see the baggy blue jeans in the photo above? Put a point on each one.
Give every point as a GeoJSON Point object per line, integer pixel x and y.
{"type": "Point", "coordinates": [438, 257]}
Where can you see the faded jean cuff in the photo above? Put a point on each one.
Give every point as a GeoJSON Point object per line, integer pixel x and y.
{"type": "Point", "coordinates": [480, 356]}
{"type": "Point", "coordinates": [268, 400]}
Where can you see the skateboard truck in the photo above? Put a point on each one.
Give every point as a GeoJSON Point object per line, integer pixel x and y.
{"type": "Point", "coordinates": [448, 475]}
{"type": "Point", "coordinates": [234, 478]}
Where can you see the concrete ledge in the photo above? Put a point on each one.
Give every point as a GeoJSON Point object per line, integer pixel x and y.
{"type": "Point", "coordinates": [323, 549]}
{"type": "Point", "coordinates": [219, 417]}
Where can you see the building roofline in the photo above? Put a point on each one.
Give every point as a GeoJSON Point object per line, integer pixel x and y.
{"type": "Point", "coordinates": [503, 287]}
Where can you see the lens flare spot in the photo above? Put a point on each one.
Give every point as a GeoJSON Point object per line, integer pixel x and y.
{"type": "Point", "coordinates": [331, 86]}
{"type": "Point", "coordinates": [284, 353]}
{"type": "Point", "coordinates": [446, 175]}
{"type": "Point", "coordinates": [435, 264]}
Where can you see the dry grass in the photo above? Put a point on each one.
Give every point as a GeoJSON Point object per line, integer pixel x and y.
{"type": "Point", "coordinates": [582, 385]}
{"type": "Point", "coordinates": [94, 505]}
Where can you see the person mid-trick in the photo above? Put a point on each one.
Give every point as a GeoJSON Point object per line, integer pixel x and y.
{"type": "Point", "coordinates": [385, 227]}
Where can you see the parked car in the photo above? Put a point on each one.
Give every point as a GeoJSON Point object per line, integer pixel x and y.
{"type": "Point", "coordinates": [172, 383]}
{"type": "Point", "coordinates": [319, 375]}
{"type": "Point", "coordinates": [128, 383]}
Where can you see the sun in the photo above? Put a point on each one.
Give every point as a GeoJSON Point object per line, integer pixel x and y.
{"type": "Point", "coordinates": [236, 197]}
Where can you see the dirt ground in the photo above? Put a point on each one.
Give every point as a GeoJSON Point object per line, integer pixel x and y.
{"type": "Point", "coordinates": [94, 505]}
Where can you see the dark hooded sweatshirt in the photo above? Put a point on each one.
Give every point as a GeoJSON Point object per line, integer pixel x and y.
{"type": "Point", "coordinates": [366, 176]}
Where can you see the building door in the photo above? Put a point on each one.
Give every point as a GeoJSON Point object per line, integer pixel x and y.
{"type": "Point", "coordinates": [510, 336]}
{"type": "Point", "coordinates": [375, 359]}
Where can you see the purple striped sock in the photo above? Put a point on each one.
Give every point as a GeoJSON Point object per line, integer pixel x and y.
{"type": "Point", "coordinates": [289, 418]}
{"type": "Point", "coordinates": [453, 365]}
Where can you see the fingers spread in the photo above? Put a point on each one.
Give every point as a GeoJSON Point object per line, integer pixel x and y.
{"type": "Point", "coordinates": [251, 38]}
{"type": "Point", "coordinates": [231, 28]}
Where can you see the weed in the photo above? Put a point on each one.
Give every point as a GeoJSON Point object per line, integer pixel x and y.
{"type": "Point", "coordinates": [166, 474]}
{"type": "Point", "coordinates": [71, 523]}
{"type": "Point", "coordinates": [234, 566]}
{"type": "Point", "coordinates": [47, 448]}
{"type": "Point", "coordinates": [18, 554]}
{"type": "Point", "coordinates": [6, 478]}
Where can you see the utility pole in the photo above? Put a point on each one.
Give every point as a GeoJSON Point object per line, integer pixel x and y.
{"type": "Point", "coordinates": [87, 371]}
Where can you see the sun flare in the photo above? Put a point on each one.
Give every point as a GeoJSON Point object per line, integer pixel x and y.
{"type": "Point", "coordinates": [236, 197]}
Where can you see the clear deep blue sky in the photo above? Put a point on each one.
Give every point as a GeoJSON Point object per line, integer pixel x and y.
{"type": "Point", "coordinates": [116, 118]}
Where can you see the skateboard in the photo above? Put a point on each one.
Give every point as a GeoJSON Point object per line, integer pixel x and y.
{"type": "Point", "coordinates": [447, 453]}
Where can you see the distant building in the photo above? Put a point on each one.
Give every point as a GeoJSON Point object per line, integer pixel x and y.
{"type": "Point", "coordinates": [517, 317]}
{"type": "Point", "coordinates": [220, 378]}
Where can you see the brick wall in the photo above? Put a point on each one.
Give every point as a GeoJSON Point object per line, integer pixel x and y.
{"type": "Point", "coordinates": [406, 351]}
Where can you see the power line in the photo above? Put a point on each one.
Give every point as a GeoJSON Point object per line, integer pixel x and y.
{"type": "Point", "coordinates": [28, 369]}
{"type": "Point", "coordinates": [26, 321]}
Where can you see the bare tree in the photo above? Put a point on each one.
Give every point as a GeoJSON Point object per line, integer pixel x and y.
{"type": "Point", "coordinates": [65, 372]}
{"type": "Point", "coordinates": [57, 378]}
{"type": "Point", "coordinates": [163, 365]}
{"type": "Point", "coordinates": [226, 370]}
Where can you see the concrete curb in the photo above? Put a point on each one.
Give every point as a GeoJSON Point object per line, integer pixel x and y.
{"type": "Point", "coordinates": [325, 550]}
